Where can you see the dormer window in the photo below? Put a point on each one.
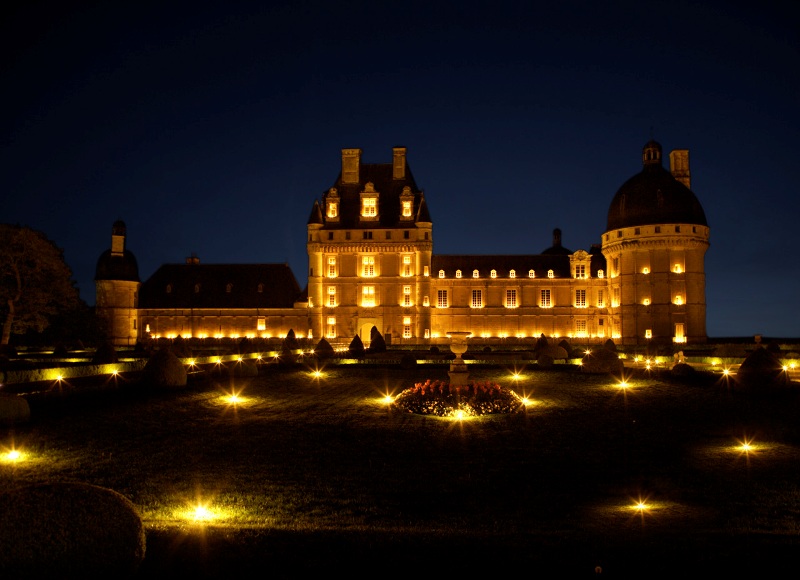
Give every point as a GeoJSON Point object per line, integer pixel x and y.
{"type": "Point", "coordinates": [260, 288]}
{"type": "Point", "coordinates": [475, 274]}
{"type": "Point", "coordinates": [169, 288]}
{"type": "Point", "coordinates": [332, 205]}
{"type": "Point", "coordinates": [369, 203]}
{"type": "Point", "coordinates": [531, 274]}
{"type": "Point", "coordinates": [228, 287]}
{"type": "Point", "coordinates": [493, 274]}
{"type": "Point", "coordinates": [406, 204]}
{"type": "Point", "coordinates": [369, 207]}
{"type": "Point", "coordinates": [197, 288]}
{"type": "Point", "coordinates": [601, 274]}
{"type": "Point", "coordinates": [441, 273]}
{"type": "Point", "coordinates": [550, 274]}
{"type": "Point", "coordinates": [512, 274]}
{"type": "Point", "coordinates": [407, 209]}
{"type": "Point", "coordinates": [333, 209]}
{"type": "Point", "coordinates": [458, 273]}
{"type": "Point", "coordinates": [580, 271]}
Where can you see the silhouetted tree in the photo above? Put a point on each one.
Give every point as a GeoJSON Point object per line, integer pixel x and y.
{"type": "Point", "coordinates": [290, 342]}
{"type": "Point", "coordinates": [35, 282]}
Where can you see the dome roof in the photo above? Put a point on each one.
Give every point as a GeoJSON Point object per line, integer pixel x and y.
{"type": "Point", "coordinates": [117, 267]}
{"type": "Point", "coordinates": [654, 196]}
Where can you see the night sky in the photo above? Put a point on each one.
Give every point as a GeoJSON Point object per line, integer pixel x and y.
{"type": "Point", "coordinates": [211, 128]}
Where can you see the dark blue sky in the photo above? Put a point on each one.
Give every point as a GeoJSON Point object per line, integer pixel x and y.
{"type": "Point", "coordinates": [212, 127]}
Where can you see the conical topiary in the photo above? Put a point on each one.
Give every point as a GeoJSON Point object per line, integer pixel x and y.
{"type": "Point", "coordinates": [376, 341]}
{"type": "Point", "coordinates": [356, 348]}
{"type": "Point", "coordinates": [164, 369]}
{"type": "Point", "coordinates": [290, 343]}
{"type": "Point", "coordinates": [323, 349]}
{"type": "Point", "coordinates": [761, 370]}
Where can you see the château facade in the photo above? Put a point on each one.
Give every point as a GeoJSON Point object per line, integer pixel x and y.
{"type": "Point", "coordinates": [371, 263]}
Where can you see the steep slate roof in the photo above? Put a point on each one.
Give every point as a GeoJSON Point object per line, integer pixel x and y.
{"type": "Point", "coordinates": [389, 190]}
{"type": "Point", "coordinates": [503, 264]}
{"type": "Point", "coordinates": [654, 196]}
{"type": "Point", "coordinates": [280, 288]}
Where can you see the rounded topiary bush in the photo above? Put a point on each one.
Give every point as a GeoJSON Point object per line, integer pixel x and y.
{"type": "Point", "coordinates": [181, 347]}
{"type": "Point", "coordinates": [13, 410]}
{"type": "Point", "coordinates": [105, 354]}
{"type": "Point", "coordinates": [545, 361]}
{"type": "Point", "coordinates": [762, 371]}
{"type": "Point", "coordinates": [164, 369]}
{"type": "Point", "coordinates": [69, 530]}
{"type": "Point", "coordinates": [323, 349]}
{"type": "Point", "coordinates": [602, 361]}
{"type": "Point", "coordinates": [682, 370]}
{"type": "Point", "coordinates": [356, 348]}
{"type": "Point", "coordinates": [434, 349]}
{"type": "Point", "coordinates": [609, 345]}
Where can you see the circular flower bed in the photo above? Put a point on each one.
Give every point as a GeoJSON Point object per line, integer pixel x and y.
{"type": "Point", "coordinates": [438, 398]}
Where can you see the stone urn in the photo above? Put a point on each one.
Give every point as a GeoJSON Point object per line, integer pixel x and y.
{"type": "Point", "coordinates": [458, 369]}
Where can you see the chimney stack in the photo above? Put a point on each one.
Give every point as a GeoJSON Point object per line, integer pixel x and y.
{"type": "Point", "coordinates": [679, 166]}
{"type": "Point", "coordinates": [399, 163]}
{"type": "Point", "coordinates": [351, 160]}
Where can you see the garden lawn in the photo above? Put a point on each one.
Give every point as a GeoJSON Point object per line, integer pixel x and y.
{"type": "Point", "coordinates": [310, 474]}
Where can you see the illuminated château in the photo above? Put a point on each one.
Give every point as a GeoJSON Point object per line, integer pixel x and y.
{"type": "Point", "coordinates": [371, 263]}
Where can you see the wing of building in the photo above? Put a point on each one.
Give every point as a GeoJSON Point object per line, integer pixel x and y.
{"type": "Point", "coordinates": [371, 263]}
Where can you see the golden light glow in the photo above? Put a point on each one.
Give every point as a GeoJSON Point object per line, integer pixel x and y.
{"type": "Point", "coordinates": [12, 456]}
{"type": "Point", "coordinates": [459, 415]}
{"type": "Point", "coordinates": [516, 376]}
{"type": "Point", "coordinates": [192, 362]}
{"type": "Point", "coordinates": [388, 399]}
{"type": "Point", "coordinates": [317, 374]}
{"type": "Point", "coordinates": [201, 513]}
{"type": "Point", "coordinates": [641, 506]}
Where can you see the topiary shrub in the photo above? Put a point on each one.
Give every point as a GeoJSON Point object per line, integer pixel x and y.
{"type": "Point", "coordinates": [682, 370]}
{"type": "Point", "coordinates": [356, 348]}
{"type": "Point", "coordinates": [69, 530]}
{"type": "Point", "coordinates": [762, 371]}
{"type": "Point", "coordinates": [164, 369]}
{"type": "Point", "coordinates": [408, 361]}
{"type": "Point", "coordinates": [609, 345]}
{"type": "Point", "coordinates": [565, 345]}
{"type": "Point", "coordinates": [435, 349]}
{"type": "Point", "coordinates": [105, 354]}
{"type": "Point", "coordinates": [180, 347]}
{"type": "Point", "coordinates": [554, 352]}
{"type": "Point", "coordinates": [324, 349]}
{"type": "Point", "coordinates": [485, 349]}
{"type": "Point", "coordinates": [602, 361]}
{"type": "Point", "coordinates": [13, 410]}
{"type": "Point", "coordinates": [545, 361]}
{"type": "Point", "coordinates": [376, 341]}
{"type": "Point", "coordinates": [290, 343]}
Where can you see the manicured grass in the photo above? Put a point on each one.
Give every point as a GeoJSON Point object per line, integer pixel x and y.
{"type": "Point", "coordinates": [312, 474]}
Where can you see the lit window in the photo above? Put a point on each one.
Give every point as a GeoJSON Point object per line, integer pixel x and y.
{"type": "Point", "coordinates": [678, 299]}
{"type": "Point", "coordinates": [680, 335]}
{"type": "Point", "coordinates": [615, 301]}
{"type": "Point", "coordinates": [531, 274]}
{"type": "Point", "coordinates": [458, 273]}
{"type": "Point", "coordinates": [475, 274]}
{"type": "Point", "coordinates": [601, 299]}
{"type": "Point", "coordinates": [493, 273]}
{"type": "Point", "coordinates": [550, 274]}
{"type": "Point", "coordinates": [580, 327]}
{"type": "Point", "coordinates": [580, 298]}
{"type": "Point", "coordinates": [441, 273]}
{"type": "Point", "coordinates": [425, 271]}
{"type": "Point", "coordinates": [368, 263]}
{"type": "Point", "coordinates": [678, 269]}
{"type": "Point", "coordinates": [369, 207]}
{"type": "Point", "coordinates": [425, 301]}
{"type": "Point", "coordinates": [477, 299]}
{"type": "Point", "coordinates": [648, 333]}
{"type": "Point", "coordinates": [406, 266]}
{"type": "Point", "coordinates": [331, 266]}
{"type": "Point", "coordinates": [406, 209]}
{"type": "Point", "coordinates": [511, 298]}
{"type": "Point", "coordinates": [645, 270]}
{"type": "Point", "coordinates": [646, 302]}
{"type": "Point", "coordinates": [512, 274]}
{"type": "Point", "coordinates": [331, 320]}
{"type": "Point", "coordinates": [331, 295]}
{"type": "Point", "coordinates": [368, 296]}
{"type": "Point", "coordinates": [407, 327]}
{"type": "Point", "coordinates": [545, 299]}
{"type": "Point", "coordinates": [427, 333]}
{"type": "Point", "coordinates": [580, 271]}
{"type": "Point", "coordinates": [333, 209]}
{"type": "Point", "coordinates": [406, 295]}
{"type": "Point", "coordinates": [601, 274]}
{"type": "Point", "coordinates": [331, 330]}
{"type": "Point", "coordinates": [441, 299]}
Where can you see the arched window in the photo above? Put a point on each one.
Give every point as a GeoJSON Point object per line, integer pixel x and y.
{"type": "Point", "coordinates": [493, 273]}
{"type": "Point", "coordinates": [260, 288]}
{"type": "Point", "coordinates": [228, 287]}
{"type": "Point", "coordinates": [601, 274]}
{"type": "Point", "coordinates": [441, 273]}
{"type": "Point", "coordinates": [512, 274]}
{"type": "Point", "coordinates": [550, 274]}
{"type": "Point", "coordinates": [458, 273]}
{"type": "Point", "coordinates": [531, 274]}
{"type": "Point", "coordinates": [475, 274]}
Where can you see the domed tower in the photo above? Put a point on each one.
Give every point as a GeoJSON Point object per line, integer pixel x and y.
{"type": "Point", "coordinates": [655, 245]}
{"type": "Point", "coordinates": [117, 286]}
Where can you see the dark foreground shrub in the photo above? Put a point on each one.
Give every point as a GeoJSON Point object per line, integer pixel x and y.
{"type": "Point", "coordinates": [105, 354]}
{"type": "Point", "coordinates": [164, 369]}
{"type": "Point", "coordinates": [69, 530]}
{"type": "Point", "coordinates": [408, 361]}
{"type": "Point", "coordinates": [323, 349]}
{"type": "Point", "coordinates": [13, 411]}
